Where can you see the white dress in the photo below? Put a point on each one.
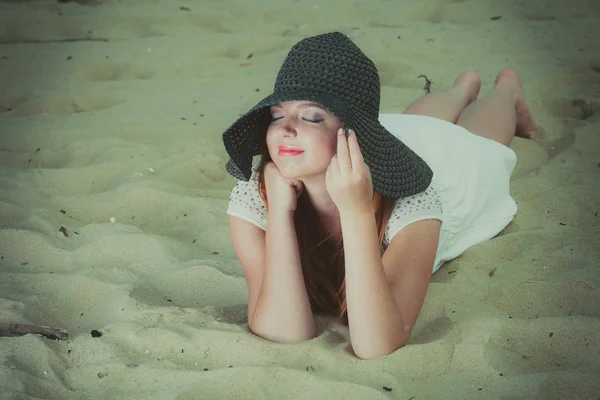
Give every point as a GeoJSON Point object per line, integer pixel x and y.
{"type": "Point", "coordinates": [469, 193]}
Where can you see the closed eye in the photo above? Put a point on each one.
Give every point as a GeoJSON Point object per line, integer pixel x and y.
{"type": "Point", "coordinates": [314, 121]}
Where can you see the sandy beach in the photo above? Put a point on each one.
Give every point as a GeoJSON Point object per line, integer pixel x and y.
{"type": "Point", "coordinates": [113, 194]}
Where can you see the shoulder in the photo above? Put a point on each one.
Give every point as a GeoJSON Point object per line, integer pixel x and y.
{"type": "Point", "coordinates": [407, 210]}
{"type": "Point", "coordinates": [423, 202]}
{"type": "Point", "coordinates": [246, 203]}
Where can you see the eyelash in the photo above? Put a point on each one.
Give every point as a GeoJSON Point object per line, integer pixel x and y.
{"type": "Point", "coordinates": [314, 121]}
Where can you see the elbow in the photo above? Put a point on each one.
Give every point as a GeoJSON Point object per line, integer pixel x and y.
{"type": "Point", "coordinates": [373, 353]}
{"type": "Point", "coordinates": [283, 337]}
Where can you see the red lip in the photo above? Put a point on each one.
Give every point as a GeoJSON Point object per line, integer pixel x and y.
{"type": "Point", "coordinates": [289, 151]}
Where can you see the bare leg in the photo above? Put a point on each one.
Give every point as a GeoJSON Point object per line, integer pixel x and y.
{"type": "Point", "coordinates": [501, 114]}
{"type": "Point", "coordinates": [449, 103]}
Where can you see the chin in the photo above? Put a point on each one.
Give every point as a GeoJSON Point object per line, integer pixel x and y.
{"type": "Point", "coordinates": [302, 175]}
{"type": "Point", "coordinates": [291, 173]}
{"type": "Point", "coordinates": [300, 171]}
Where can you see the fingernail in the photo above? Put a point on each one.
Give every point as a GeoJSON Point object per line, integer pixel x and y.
{"type": "Point", "coordinates": [340, 131]}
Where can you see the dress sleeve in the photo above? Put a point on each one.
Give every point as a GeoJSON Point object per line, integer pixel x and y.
{"type": "Point", "coordinates": [245, 202]}
{"type": "Point", "coordinates": [421, 206]}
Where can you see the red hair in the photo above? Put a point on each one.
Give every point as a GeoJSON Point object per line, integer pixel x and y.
{"type": "Point", "coordinates": [322, 259]}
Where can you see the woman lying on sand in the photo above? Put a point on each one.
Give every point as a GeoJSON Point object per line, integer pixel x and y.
{"type": "Point", "coordinates": [349, 212]}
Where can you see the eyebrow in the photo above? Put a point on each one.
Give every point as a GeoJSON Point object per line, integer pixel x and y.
{"type": "Point", "coordinates": [304, 105]}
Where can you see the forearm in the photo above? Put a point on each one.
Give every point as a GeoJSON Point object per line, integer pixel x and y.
{"type": "Point", "coordinates": [282, 312]}
{"type": "Point", "coordinates": [375, 321]}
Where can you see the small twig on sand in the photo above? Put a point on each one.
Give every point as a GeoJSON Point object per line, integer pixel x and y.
{"type": "Point", "coordinates": [427, 87]}
{"type": "Point", "coordinates": [38, 41]}
{"type": "Point", "coordinates": [21, 329]}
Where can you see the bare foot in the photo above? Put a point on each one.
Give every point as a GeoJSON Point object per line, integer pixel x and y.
{"type": "Point", "coordinates": [471, 81]}
{"type": "Point", "coordinates": [526, 125]}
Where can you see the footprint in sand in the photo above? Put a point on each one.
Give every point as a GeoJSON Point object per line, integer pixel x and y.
{"type": "Point", "coordinates": [21, 106]}
{"type": "Point", "coordinates": [574, 108]}
{"type": "Point", "coordinates": [566, 115]}
{"type": "Point", "coordinates": [569, 102]}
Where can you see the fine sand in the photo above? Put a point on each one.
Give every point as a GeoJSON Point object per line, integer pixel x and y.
{"type": "Point", "coordinates": [111, 115]}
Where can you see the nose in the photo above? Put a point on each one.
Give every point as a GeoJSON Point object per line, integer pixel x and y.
{"type": "Point", "coordinates": [288, 127]}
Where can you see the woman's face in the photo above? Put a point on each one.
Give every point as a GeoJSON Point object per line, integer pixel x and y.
{"type": "Point", "coordinates": [302, 138]}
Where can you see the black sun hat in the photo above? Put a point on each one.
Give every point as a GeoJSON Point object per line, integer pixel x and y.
{"type": "Point", "coordinates": [331, 70]}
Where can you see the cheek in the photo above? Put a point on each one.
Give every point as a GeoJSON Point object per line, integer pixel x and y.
{"type": "Point", "coordinates": [324, 150]}
{"type": "Point", "coordinates": [270, 141]}
{"type": "Point", "coordinates": [331, 146]}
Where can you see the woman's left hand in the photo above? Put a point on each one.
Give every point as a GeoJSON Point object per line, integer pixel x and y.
{"type": "Point", "coordinates": [348, 178]}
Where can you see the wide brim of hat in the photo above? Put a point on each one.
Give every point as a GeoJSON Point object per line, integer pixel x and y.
{"type": "Point", "coordinates": [396, 170]}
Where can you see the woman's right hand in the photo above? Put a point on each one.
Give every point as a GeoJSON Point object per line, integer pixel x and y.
{"type": "Point", "coordinates": [282, 193]}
